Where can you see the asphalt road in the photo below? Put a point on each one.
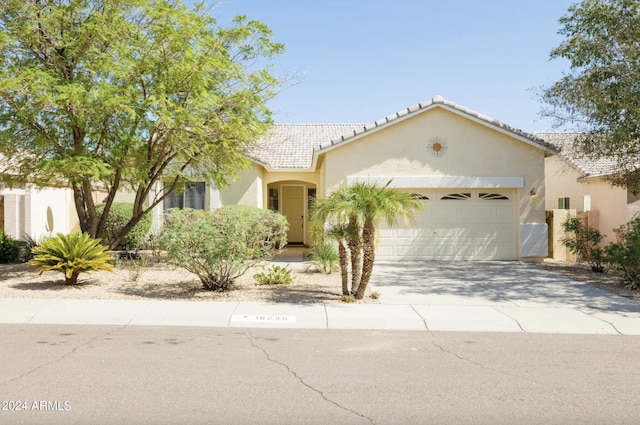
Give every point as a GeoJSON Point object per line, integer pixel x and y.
{"type": "Point", "coordinates": [182, 375]}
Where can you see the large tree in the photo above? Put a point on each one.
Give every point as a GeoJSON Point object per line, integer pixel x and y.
{"type": "Point", "coordinates": [128, 94]}
{"type": "Point", "coordinates": [600, 94]}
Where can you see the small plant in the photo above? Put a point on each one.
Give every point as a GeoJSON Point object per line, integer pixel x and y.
{"type": "Point", "coordinates": [348, 299]}
{"type": "Point", "coordinates": [72, 255]}
{"type": "Point", "coordinates": [325, 256]}
{"type": "Point", "coordinates": [584, 243]}
{"type": "Point", "coordinates": [136, 267]}
{"type": "Point", "coordinates": [624, 255]}
{"type": "Point", "coordinates": [276, 275]}
{"type": "Point", "coordinates": [375, 295]}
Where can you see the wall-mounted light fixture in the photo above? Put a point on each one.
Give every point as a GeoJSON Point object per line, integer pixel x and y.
{"type": "Point", "coordinates": [533, 193]}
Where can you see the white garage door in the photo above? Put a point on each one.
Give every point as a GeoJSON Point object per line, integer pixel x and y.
{"type": "Point", "coordinates": [455, 225]}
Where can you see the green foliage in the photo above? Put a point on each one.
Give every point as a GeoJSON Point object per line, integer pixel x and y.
{"type": "Point", "coordinates": [9, 248]}
{"type": "Point", "coordinates": [584, 242]}
{"type": "Point", "coordinates": [348, 299]}
{"type": "Point", "coordinates": [129, 94]}
{"type": "Point", "coordinates": [72, 255]}
{"type": "Point", "coordinates": [325, 256]}
{"type": "Point", "coordinates": [624, 255]}
{"type": "Point", "coordinates": [600, 91]}
{"type": "Point", "coordinates": [275, 275]}
{"type": "Point", "coordinates": [375, 295]}
{"type": "Point", "coordinates": [221, 245]}
{"type": "Point", "coordinates": [354, 211]}
{"type": "Point", "coordinates": [119, 215]}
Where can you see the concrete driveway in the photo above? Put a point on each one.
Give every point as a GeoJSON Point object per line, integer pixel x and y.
{"type": "Point", "coordinates": [465, 295]}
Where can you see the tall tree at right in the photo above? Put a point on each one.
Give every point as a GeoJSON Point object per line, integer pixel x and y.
{"type": "Point", "coordinates": [600, 93]}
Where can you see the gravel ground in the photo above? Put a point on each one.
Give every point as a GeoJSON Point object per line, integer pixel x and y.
{"type": "Point", "coordinates": [159, 281]}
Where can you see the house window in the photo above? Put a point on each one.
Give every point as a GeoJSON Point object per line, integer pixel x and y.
{"type": "Point", "coordinates": [420, 197]}
{"type": "Point", "coordinates": [456, 197]}
{"type": "Point", "coordinates": [311, 197]}
{"type": "Point", "coordinates": [563, 203]}
{"type": "Point", "coordinates": [273, 199]}
{"type": "Point", "coordinates": [586, 203]}
{"type": "Point", "coordinates": [493, 196]}
{"type": "Point", "coordinates": [192, 197]}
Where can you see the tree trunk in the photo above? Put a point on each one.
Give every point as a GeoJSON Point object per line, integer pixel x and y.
{"type": "Point", "coordinates": [368, 256]}
{"type": "Point", "coordinates": [355, 249]}
{"type": "Point", "coordinates": [344, 265]}
{"type": "Point", "coordinates": [73, 280]}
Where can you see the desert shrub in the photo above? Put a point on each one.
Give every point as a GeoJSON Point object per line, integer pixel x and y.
{"type": "Point", "coordinates": [584, 242]}
{"type": "Point", "coordinates": [72, 255]}
{"type": "Point", "coordinates": [221, 245]}
{"type": "Point", "coordinates": [325, 256]}
{"type": "Point", "coordinates": [623, 256]}
{"type": "Point", "coordinates": [119, 215]}
{"type": "Point", "coordinates": [135, 267]}
{"type": "Point", "coordinates": [9, 248]}
{"type": "Point", "coordinates": [275, 275]}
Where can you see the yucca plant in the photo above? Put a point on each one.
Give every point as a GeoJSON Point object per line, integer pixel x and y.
{"type": "Point", "coordinates": [73, 254]}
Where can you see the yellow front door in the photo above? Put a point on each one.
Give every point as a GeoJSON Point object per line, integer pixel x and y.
{"type": "Point", "coordinates": [293, 209]}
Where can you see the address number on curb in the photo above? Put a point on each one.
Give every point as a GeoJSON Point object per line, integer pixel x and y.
{"type": "Point", "coordinates": [262, 318]}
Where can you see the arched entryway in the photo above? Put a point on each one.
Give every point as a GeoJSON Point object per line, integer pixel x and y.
{"type": "Point", "coordinates": [293, 199]}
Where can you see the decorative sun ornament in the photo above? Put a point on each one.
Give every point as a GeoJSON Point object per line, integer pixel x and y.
{"type": "Point", "coordinates": [437, 146]}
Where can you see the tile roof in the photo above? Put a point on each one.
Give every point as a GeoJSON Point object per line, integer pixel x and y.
{"type": "Point", "coordinates": [292, 145]}
{"type": "Point", "coordinates": [564, 143]}
{"type": "Point", "coordinates": [434, 102]}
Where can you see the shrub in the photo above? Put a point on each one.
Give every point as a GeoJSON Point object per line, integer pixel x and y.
{"type": "Point", "coordinates": [119, 215]}
{"type": "Point", "coordinates": [221, 245]}
{"type": "Point", "coordinates": [325, 256]}
{"type": "Point", "coordinates": [73, 254]}
{"type": "Point", "coordinates": [584, 243]}
{"type": "Point", "coordinates": [9, 248]}
{"type": "Point", "coordinates": [624, 256]}
{"type": "Point", "coordinates": [276, 275]}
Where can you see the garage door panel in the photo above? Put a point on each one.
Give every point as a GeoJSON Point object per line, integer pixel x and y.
{"type": "Point", "coordinates": [478, 228]}
{"type": "Point", "coordinates": [405, 233]}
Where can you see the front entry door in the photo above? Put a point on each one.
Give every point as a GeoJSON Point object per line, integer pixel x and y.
{"type": "Point", "coordinates": [293, 209]}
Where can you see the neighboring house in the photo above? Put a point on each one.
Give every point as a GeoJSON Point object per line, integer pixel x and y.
{"type": "Point", "coordinates": [574, 182]}
{"type": "Point", "coordinates": [482, 181]}
{"type": "Point", "coordinates": [27, 211]}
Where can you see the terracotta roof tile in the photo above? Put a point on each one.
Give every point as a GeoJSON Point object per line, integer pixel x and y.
{"type": "Point", "coordinates": [564, 143]}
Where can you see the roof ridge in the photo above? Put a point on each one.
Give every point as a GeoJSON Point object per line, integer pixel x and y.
{"type": "Point", "coordinates": [436, 100]}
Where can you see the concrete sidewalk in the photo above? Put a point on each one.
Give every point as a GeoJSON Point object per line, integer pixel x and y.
{"type": "Point", "coordinates": [442, 317]}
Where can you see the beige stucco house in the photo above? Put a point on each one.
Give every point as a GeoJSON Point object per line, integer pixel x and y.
{"type": "Point", "coordinates": [574, 182]}
{"type": "Point", "coordinates": [482, 182]}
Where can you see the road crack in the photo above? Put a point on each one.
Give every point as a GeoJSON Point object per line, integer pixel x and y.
{"type": "Point", "coordinates": [480, 365]}
{"type": "Point", "coordinates": [60, 358]}
{"type": "Point", "coordinates": [303, 382]}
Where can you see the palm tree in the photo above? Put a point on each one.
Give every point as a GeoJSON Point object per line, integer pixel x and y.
{"type": "Point", "coordinates": [337, 210]}
{"type": "Point", "coordinates": [358, 209]}
{"type": "Point", "coordinates": [374, 202]}
{"type": "Point", "coordinates": [340, 233]}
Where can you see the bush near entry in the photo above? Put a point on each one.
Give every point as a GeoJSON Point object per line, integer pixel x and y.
{"type": "Point", "coordinates": [220, 245]}
{"type": "Point", "coordinates": [119, 215]}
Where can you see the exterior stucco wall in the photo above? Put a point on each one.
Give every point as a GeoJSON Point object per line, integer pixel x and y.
{"type": "Point", "coordinates": [609, 201]}
{"type": "Point", "coordinates": [561, 182]}
{"type": "Point", "coordinates": [246, 190]}
{"type": "Point", "coordinates": [39, 212]}
{"type": "Point", "coordinates": [611, 204]}
{"type": "Point", "coordinates": [472, 149]}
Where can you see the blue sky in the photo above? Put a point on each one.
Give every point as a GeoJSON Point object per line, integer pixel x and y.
{"type": "Point", "coordinates": [361, 60]}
